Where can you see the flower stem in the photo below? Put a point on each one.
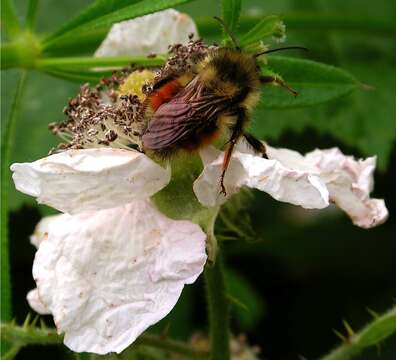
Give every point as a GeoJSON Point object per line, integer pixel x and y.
{"type": "Point", "coordinates": [174, 346]}
{"type": "Point", "coordinates": [218, 310]}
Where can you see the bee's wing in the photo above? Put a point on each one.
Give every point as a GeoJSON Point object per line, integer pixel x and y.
{"type": "Point", "coordinates": [179, 118]}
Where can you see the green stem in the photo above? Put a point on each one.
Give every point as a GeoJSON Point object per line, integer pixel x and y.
{"type": "Point", "coordinates": [87, 62]}
{"type": "Point", "coordinates": [174, 346]}
{"type": "Point", "coordinates": [11, 353]}
{"type": "Point", "coordinates": [372, 334]}
{"type": "Point", "coordinates": [6, 150]}
{"type": "Point", "coordinates": [218, 310]}
{"type": "Point", "coordinates": [7, 141]}
{"type": "Point", "coordinates": [22, 336]}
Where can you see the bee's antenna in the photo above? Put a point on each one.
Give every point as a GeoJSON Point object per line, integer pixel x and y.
{"type": "Point", "coordinates": [228, 32]}
{"type": "Point", "coordinates": [280, 49]}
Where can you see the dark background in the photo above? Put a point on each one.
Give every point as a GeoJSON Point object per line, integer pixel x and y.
{"type": "Point", "coordinates": [299, 273]}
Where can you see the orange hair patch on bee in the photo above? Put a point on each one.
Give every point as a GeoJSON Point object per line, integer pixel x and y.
{"type": "Point", "coordinates": [165, 93]}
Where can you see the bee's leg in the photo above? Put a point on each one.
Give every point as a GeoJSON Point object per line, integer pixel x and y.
{"type": "Point", "coordinates": [256, 144]}
{"type": "Point", "coordinates": [278, 81]}
{"type": "Point", "coordinates": [237, 132]}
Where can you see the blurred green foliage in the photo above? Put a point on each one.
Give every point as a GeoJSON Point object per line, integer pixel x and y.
{"type": "Point", "coordinates": [300, 273]}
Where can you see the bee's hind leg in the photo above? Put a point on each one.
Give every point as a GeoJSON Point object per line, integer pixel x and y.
{"type": "Point", "coordinates": [237, 132]}
{"type": "Point", "coordinates": [256, 144]}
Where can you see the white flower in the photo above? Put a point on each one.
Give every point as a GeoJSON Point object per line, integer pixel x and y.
{"type": "Point", "coordinates": [112, 265]}
{"type": "Point", "coordinates": [148, 34]}
{"type": "Point", "coordinates": [106, 276]}
{"type": "Point", "coordinates": [90, 179]}
{"type": "Point", "coordinates": [310, 181]}
{"type": "Point", "coordinates": [116, 265]}
{"type": "Point", "coordinates": [299, 187]}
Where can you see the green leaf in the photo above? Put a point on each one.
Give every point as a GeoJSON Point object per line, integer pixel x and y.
{"type": "Point", "coordinates": [231, 10]}
{"type": "Point", "coordinates": [8, 135]}
{"type": "Point", "coordinates": [128, 12]}
{"type": "Point", "coordinates": [98, 9]}
{"type": "Point", "coordinates": [270, 26]}
{"type": "Point", "coordinates": [250, 307]}
{"type": "Point", "coordinates": [374, 333]}
{"type": "Point", "coordinates": [9, 20]}
{"type": "Point", "coordinates": [315, 83]}
{"type": "Point", "coordinates": [316, 23]}
{"type": "Point", "coordinates": [31, 15]}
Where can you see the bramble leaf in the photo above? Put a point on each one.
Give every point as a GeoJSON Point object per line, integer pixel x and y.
{"type": "Point", "coordinates": [231, 10]}
{"type": "Point", "coordinates": [119, 14]}
{"type": "Point", "coordinates": [315, 83]}
{"type": "Point", "coordinates": [97, 9]}
{"type": "Point", "coordinates": [270, 26]}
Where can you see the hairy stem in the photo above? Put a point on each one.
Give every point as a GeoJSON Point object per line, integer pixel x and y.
{"type": "Point", "coordinates": [28, 335]}
{"type": "Point", "coordinates": [218, 309]}
{"type": "Point", "coordinates": [372, 334]}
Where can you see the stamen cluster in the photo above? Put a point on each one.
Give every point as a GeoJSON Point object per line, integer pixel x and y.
{"type": "Point", "coordinates": [102, 116]}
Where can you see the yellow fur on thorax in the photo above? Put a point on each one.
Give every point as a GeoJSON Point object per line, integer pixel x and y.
{"type": "Point", "coordinates": [251, 100]}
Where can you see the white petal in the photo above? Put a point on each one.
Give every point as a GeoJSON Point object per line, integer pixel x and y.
{"type": "Point", "coordinates": [41, 230]}
{"type": "Point", "coordinates": [106, 276]}
{"type": "Point", "coordinates": [148, 34]}
{"type": "Point", "coordinates": [90, 179]}
{"type": "Point", "coordinates": [350, 182]}
{"type": "Point", "coordinates": [282, 183]}
{"type": "Point", "coordinates": [35, 302]}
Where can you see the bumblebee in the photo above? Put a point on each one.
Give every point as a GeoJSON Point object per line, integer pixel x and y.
{"type": "Point", "coordinates": [190, 110]}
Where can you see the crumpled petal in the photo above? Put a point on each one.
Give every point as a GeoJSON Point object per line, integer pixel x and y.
{"type": "Point", "coordinates": [347, 181]}
{"type": "Point", "coordinates": [298, 187]}
{"type": "Point", "coordinates": [35, 302]}
{"type": "Point", "coordinates": [150, 34]}
{"type": "Point", "coordinates": [90, 179]}
{"type": "Point", "coordinates": [41, 230]}
{"type": "Point", "coordinates": [106, 276]}
{"type": "Point", "coordinates": [350, 182]}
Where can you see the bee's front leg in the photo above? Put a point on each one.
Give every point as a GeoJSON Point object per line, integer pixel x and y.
{"type": "Point", "coordinates": [279, 81]}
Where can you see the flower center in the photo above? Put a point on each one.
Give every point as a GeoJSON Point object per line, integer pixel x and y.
{"type": "Point", "coordinates": [108, 115]}
{"type": "Point", "coordinates": [114, 112]}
